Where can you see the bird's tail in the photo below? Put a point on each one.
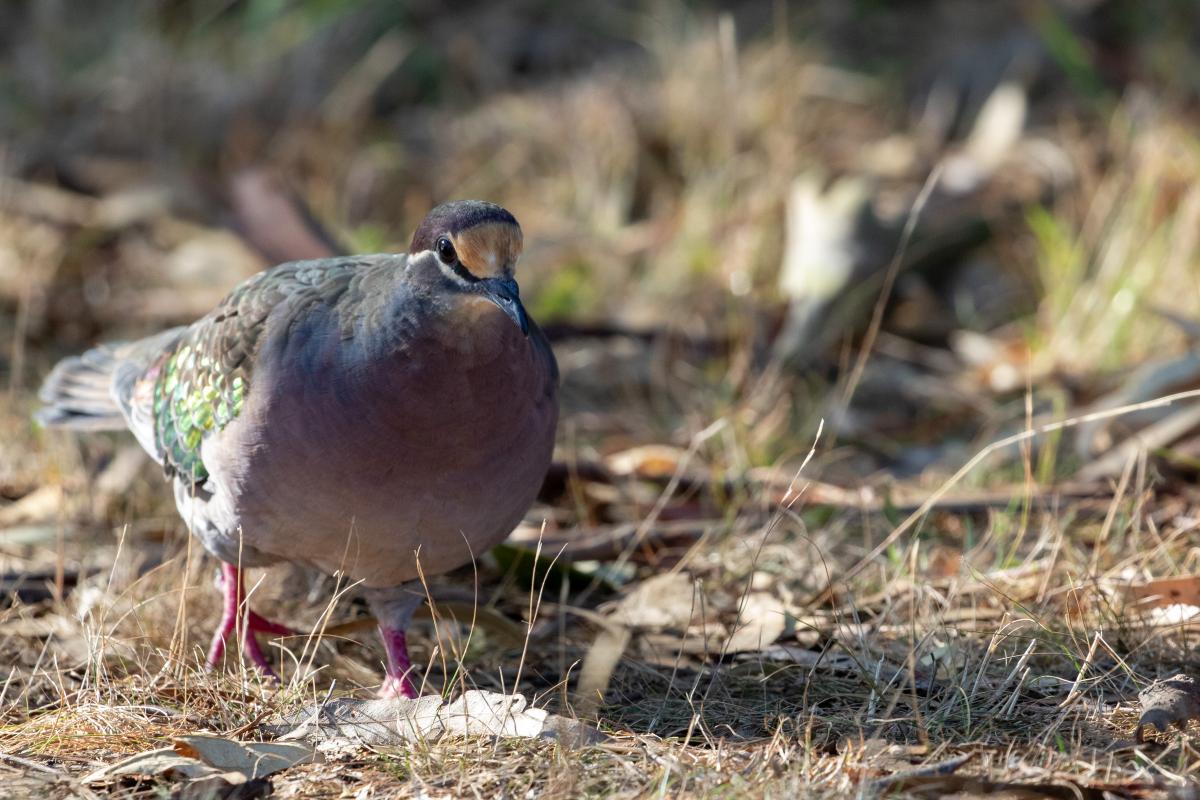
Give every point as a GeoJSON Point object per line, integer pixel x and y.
{"type": "Point", "coordinates": [78, 393]}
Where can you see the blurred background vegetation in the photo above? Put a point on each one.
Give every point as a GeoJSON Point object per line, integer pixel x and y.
{"type": "Point", "coordinates": [730, 179]}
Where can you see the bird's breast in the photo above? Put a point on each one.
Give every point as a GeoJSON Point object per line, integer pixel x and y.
{"type": "Point", "coordinates": [436, 440]}
{"type": "Point", "coordinates": [450, 402]}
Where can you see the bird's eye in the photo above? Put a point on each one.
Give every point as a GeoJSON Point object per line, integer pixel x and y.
{"type": "Point", "coordinates": [445, 251]}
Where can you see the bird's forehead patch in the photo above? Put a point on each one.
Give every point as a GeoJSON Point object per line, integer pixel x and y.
{"type": "Point", "coordinates": [489, 250]}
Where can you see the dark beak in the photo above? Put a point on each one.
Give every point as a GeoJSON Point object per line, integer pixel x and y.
{"type": "Point", "coordinates": [505, 293]}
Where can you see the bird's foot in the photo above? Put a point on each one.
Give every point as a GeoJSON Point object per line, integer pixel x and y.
{"type": "Point", "coordinates": [248, 625]}
{"type": "Point", "coordinates": [397, 688]}
{"type": "Point", "coordinates": [393, 607]}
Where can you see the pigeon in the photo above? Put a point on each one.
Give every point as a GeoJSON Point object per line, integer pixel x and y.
{"type": "Point", "coordinates": [383, 417]}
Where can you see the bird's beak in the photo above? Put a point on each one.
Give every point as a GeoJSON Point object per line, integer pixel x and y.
{"type": "Point", "coordinates": [505, 293]}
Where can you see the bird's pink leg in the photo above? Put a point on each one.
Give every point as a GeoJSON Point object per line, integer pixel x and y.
{"type": "Point", "coordinates": [393, 608]}
{"type": "Point", "coordinates": [232, 619]}
{"type": "Point", "coordinates": [398, 681]}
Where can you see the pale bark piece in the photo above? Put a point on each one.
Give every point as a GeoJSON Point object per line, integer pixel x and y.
{"type": "Point", "coordinates": [598, 666]}
{"type": "Point", "coordinates": [349, 722]}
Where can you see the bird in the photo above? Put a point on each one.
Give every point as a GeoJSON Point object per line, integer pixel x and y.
{"type": "Point", "coordinates": [383, 417]}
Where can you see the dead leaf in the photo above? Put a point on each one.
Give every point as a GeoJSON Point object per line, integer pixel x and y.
{"type": "Point", "coordinates": [164, 762]}
{"type": "Point", "coordinates": [762, 620]}
{"type": "Point", "coordinates": [1166, 601]}
{"type": "Point", "coordinates": [944, 562]}
{"type": "Point", "coordinates": [663, 601]}
{"type": "Point", "coordinates": [1172, 701]}
{"type": "Point", "coordinates": [666, 611]}
{"type": "Point", "coordinates": [664, 648]}
{"type": "Point", "coordinates": [998, 365]}
{"type": "Point", "coordinates": [251, 759]}
{"type": "Point", "coordinates": [996, 132]}
{"type": "Point", "coordinates": [1171, 616]}
{"type": "Point", "coordinates": [1166, 592]}
{"type": "Point", "coordinates": [209, 756]}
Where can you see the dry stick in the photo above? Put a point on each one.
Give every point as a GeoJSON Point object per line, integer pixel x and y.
{"type": "Point", "coordinates": [1076, 688]}
{"type": "Point", "coordinates": [1052, 561]}
{"type": "Point", "coordinates": [241, 627]}
{"type": "Point", "coordinates": [32, 765]}
{"type": "Point", "coordinates": [466, 646]}
{"type": "Point", "coordinates": [1121, 662]}
{"type": "Point", "coordinates": [312, 640]}
{"type": "Point", "coordinates": [535, 607]}
{"type": "Point", "coordinates": [439, 649]}
{"type": "Point", "coordinates": [977, 459]}
{"type": "Point", "coordinates": [102, 637]}
{"type": "Point", "coordinates": [1087, 662]}
{"type": "Point", "coordinates": [1141, 496]}
{"type": "Point", "coordinates": [1027, 463]}
{"type": "Point", "coordinates": [1110, 515]}
{"type": "Point", "coordinates": [177, 648]}
{"type": "Point", "coordinates": [1155, 435]}
{"type": "Point", "coordinates": [889, 281]}
{"type": "Point", "coordinates": [79, 789]}
{"type": "Point", "coordinates": [911, 661]}
{"type": "Point", "coordinates": [1014, 674]}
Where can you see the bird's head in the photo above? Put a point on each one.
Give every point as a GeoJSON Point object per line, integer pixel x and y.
{"type": "Point", "coordinates": [474, 247]}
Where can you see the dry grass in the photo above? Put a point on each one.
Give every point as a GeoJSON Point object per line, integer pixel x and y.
{"type": "Point", "coordinates": [1015, 649]}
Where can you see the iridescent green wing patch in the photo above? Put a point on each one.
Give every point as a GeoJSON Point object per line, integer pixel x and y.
{"type": "Point", "coordinates": [201, 385]}
{"type": "Point", "coordinates": [192, 398]}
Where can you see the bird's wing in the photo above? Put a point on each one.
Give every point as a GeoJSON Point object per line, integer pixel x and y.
{"type": "Point", "coordinates": [542, 345]}
{"type": "Point", "coordinates": [200, 383]}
